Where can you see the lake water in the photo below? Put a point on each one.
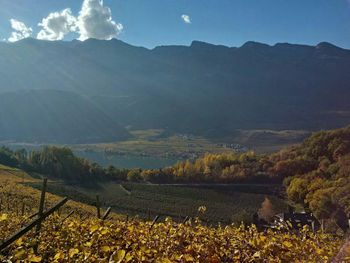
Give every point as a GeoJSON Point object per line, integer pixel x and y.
{"type": "Point", "coordinates": [126, 161]}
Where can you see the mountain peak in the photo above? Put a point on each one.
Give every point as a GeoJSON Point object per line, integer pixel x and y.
{"type": "Point", "coordinates": [30, 40]}
{"type": "Point", "coordinates": [253, 44]}
{"type": "Point", "coordinates": [325, 45]}
{"type": "Point", "coordinates": [201, 44]}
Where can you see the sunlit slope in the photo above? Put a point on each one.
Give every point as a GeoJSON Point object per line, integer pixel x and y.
{"type": "Point", "coordinates": [15, 194]}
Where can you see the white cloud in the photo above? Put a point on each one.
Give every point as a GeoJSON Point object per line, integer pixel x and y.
{"type": "Point", "coordinates": [186, 19]}
{"type": "Point", "coordinates": [56, 25]}
{"type": "Point", "coordinates": [20, 31]}
{"type": "Point", "coordinates": [95, 21]}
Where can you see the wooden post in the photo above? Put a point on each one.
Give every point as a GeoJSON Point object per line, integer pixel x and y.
{"type": "Point", "coordinates": [41, 205]}
{"type": "Point", "coordinates": [98, 206]}
{"type": "Point", "coordinates": [32, 224]}
{"type": "Point", "coordinates": [154, 221]}
{"type": "Point", "coordinates": [185, 220]}
{"type": "Point", "coordinates": [23, 208]}
{"type": "Point", "coordinates": [106, 213]}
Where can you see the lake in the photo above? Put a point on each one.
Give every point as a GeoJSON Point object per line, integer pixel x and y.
{"type": "Point", "coordinates": [126, 161]}
{"type": "Point", "coordinates": [103, 159]}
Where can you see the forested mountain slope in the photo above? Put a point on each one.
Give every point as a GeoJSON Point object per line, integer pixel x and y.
{"type": "Point", "coordinates": [55, 116]}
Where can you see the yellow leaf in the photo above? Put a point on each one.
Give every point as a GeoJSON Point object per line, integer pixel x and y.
{"type": "Point", "coordinates": [287, 244]}
{"type": "Point", "coordinates": [59, 256]}
{"type": "Point", "coordinates": [20, 254]}
{"type": "Point", "coordinates": [94, 228]}
{"type": "Point", "coordinates": [3, 217]}
{"type": "Point", "coordinates": [19, 242]}
{"type": "Point", "coordinates": [104, 232]}
{"type": "Point", "coordinates": [88, 244]}
{"type": "Point", "coordinates": [105, 249]}
{"type": "Point", "coordinates": [34, 258]}
{"type": "Point", "coordinates": [73, 252]}
{"type": "Point", "coordinates": [127, 258]}
{"type": "Point", "coordinates": [188, 258]}
{"type": "Point", "coordinates": [263, 238]}
{"type": "Point", "coordinates": [120, 255]}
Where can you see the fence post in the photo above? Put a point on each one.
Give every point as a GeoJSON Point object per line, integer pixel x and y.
{"type": "Point", "coordinates": [98, 206]}
{"type": "Point", "coordinates": [106, 213]}
{"type": "Point", "coordinates": [185, 220]}
{"type": "Point", "coordinates": [32, 224]}
{"type": "Point", "coordinates": [41, 205]}
{"type": "Point", "coordinates": [23, 208]}
{"type": "Point", "coordinates": [154, 221]}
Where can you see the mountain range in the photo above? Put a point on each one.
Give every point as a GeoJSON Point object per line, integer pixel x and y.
{"type": "Point", "coordinates": [94, 91]}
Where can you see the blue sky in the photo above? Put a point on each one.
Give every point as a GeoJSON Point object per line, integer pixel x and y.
{"type": "Point", "coordinates": [230, 22]}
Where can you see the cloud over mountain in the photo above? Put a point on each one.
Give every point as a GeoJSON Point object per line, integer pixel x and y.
{"type": "Point", "coordinates": [95, 21]}
{"type": "Point", "coordinates": [21, 31]}
{"type": "Point", "coordinates": [56, 25]}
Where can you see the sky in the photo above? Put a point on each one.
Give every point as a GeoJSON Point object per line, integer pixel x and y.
{"type": "Point", "coordinates": [151, 23]}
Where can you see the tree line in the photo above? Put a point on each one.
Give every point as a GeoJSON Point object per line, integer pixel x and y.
{"type": "Point", "coordinates": [60, 163]}
{"type": "Point", "coordinates": [316, 173]}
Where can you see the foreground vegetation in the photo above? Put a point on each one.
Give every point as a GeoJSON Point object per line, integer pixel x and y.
{"type": "Point", "coordinates": [92, 240]}
{"type": "Point", "coordinates": [82, 237]}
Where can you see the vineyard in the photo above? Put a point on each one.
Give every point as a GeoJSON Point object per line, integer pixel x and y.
{"type": "Point", "coordinates": [225, 204]}
{"type": "Point", "coordinates": [84, 238]}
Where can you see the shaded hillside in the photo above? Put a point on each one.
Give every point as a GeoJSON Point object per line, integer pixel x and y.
{"type": "Point", "coordinates": [201, 89]}
{"type": "Point", "coordinates": [55, 117]}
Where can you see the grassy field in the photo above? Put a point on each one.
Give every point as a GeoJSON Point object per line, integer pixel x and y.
{"type": "Point", "coordinates": [151, 143]}
{"type": "Point", "coordinates": [154, 143]}
{"type": "Point", "coordinates": [225, 203]}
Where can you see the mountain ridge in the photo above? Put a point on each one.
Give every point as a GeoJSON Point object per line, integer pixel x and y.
{"type": "Point", "coordinates": [201, 89]}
